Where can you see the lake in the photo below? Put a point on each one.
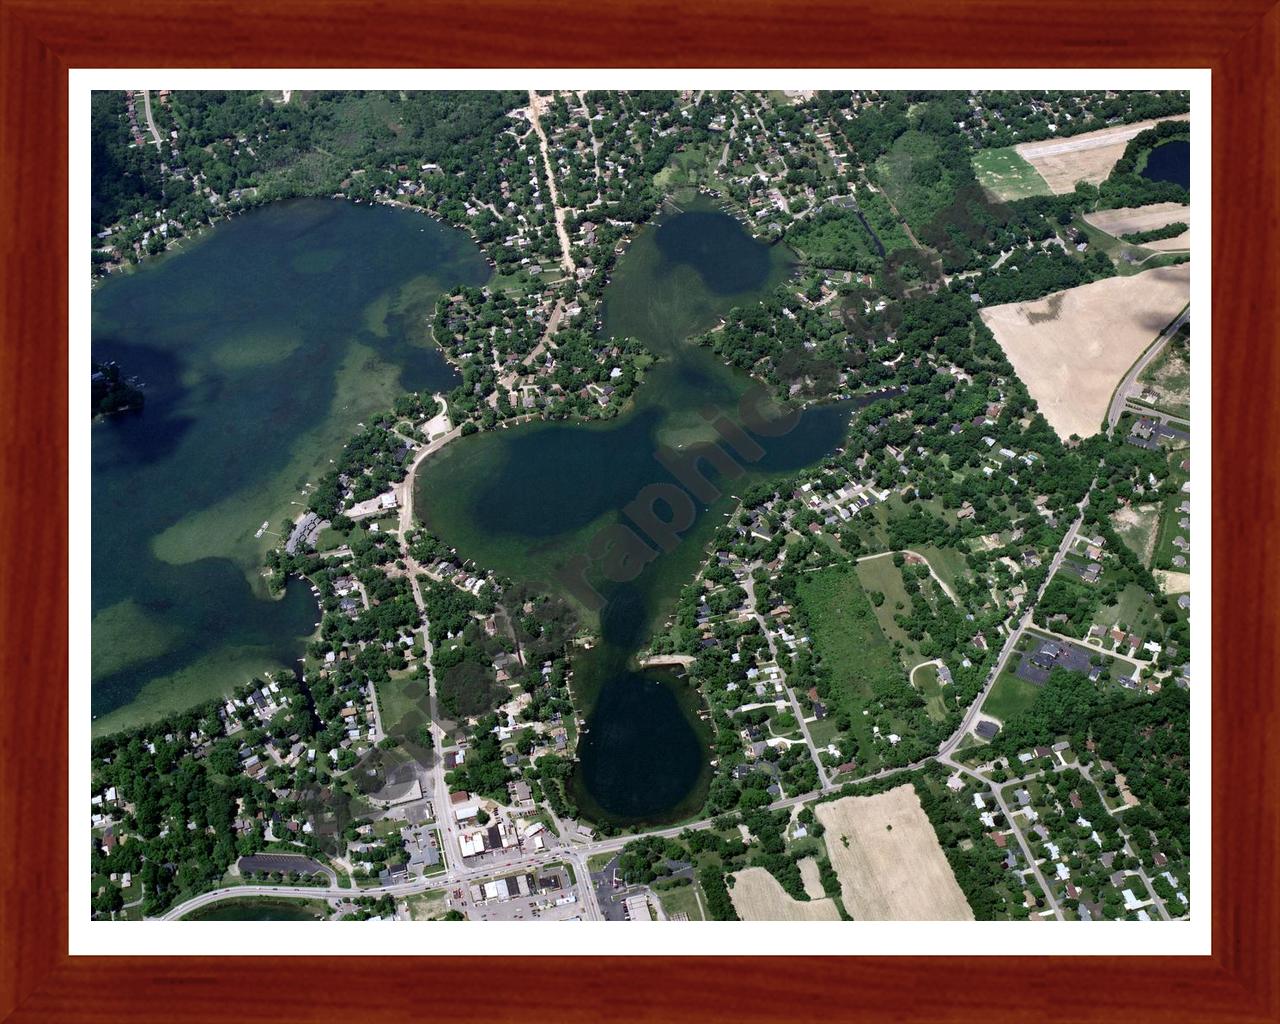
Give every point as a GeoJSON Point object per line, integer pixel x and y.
{"type": "Point", "coordinates": [526, 501]}
{"type": "Point", "coordinates": [261, 347]}
{"type": "Point", "coordinates": [1170, 161]}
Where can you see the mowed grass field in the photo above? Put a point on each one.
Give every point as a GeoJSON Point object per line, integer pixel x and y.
{"type": "Point", "coordinates": [757, 896]}
{"type": "Point", "coordinates": [1006, 175]}
{"type": "Point", "coordinates": [1009, 696]}
{"type": "Point", "coordinates": [887, 856]}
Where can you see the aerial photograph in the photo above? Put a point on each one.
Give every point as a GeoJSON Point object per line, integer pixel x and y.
{"type": "Point", "coordinates": [605, 505]}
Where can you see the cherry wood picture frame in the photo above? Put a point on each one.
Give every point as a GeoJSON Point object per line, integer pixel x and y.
{"type": "Point", "coordinates": [41, 39]}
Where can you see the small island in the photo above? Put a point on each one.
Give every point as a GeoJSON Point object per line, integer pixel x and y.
{"type": "Point", "coordinates": [113, 392]}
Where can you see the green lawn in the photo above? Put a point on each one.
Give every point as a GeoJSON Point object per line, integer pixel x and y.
{"type": "Point", "coordinates": [925, 679]}
{"type": "Point", "coordinates": [1134, 608]}
{"type": "Point", "coordinates": [784, 724]}
{"type": "Point", "coordinates": [681, 900]}
{"type": "Point", "coordinates": [1007, 175]}
{"type": "Point", "coordinates": [1009, 696]}
{"type": "Point", "coordinates": [403, 704]}
{"type": "Point", "coordinates": [329, 539]}
{"type": "Point", "coordinates": [1166, 551]}
{"type": "Point", "coordinates": [823, 732]}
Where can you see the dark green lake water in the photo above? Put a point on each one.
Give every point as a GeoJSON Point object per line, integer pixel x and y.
{"type": "Point", "coordinates": [527, 500]}
{"type": "Point", "coordinates": [261, 347]}
{"type": "Point", "coordinates": [258, 909]}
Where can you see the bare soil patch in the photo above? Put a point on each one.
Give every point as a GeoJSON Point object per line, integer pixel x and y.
{"type": "Point", "coordinates": [1071, 362]}
{"type": "Point", "coordinates": [1088, 157]}
{"type": "Point", "coordinates": [1131, 219]}
{"type": "Point", "coordinates": [890, 864]}
{"type": "Point", "coordinates": [1137, 528]}
{"type": "Point", "coordinates": [757, 896]}
{"type": "Point", "coordinates": [1174, 582]}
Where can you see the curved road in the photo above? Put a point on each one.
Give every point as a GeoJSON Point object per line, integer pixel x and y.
{"type": "Point", "coordinates": [1121, 393]}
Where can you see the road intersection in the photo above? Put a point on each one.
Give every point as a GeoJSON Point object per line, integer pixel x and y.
{"type": "Point", "coordinates": [574, 850]}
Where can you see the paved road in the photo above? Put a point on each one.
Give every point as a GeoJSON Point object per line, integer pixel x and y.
{"type": "Point", "coordinates": [952, 742]}
{"type": "Point", "coordinates": [749, 585]}
{"type": "Point", "coordinates": [577, 854]}
{"type": "Point", "coordinates": [996, 792]}
{"type": "Point", "coordinates": [151, 121]}
{"type": "Point", "coordinates": [406, 488]}
{"type": "Point", "coordinates": [1154, 349]}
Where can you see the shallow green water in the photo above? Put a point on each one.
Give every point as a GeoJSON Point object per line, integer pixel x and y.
{"type": "Point", "coordinates": [528, 500]}
{"type": "Point", "coordinates": [261, 347]}
{"type": "Point", "coordinates": [256, 909]}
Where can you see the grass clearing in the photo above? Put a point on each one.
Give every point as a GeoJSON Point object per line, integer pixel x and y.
{"type": "Point", "coordinates": [1008, 696]}
{"type": "Point", "coordinates": [880, 575]}
{"type": "Point", "coordinates": [1134, 610]}
{"type": "Point", "coordinates": [683, 899]}
{"type": "Point", "coordinates": [1166, 383]}
{"type": "Point", "coordinates": [850, 641]}
{"type": "Point", "coordinates": [427, 906]}
{"type": "Point", "coordinates": [925, 679]}
{"type": "Point", "coordinates": [404, 704]}
{"type": "Point", "coordinates": [1006, 175]}
{"type": "Point", "coordinates": [948, 563]}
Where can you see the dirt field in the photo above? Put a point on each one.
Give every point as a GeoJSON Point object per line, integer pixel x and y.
{"type": "Point", "coordinates": [1131, 219]}
{"type": "Point", "coordinates": [1174, 582]}
{"type": "Point", "coordinates": [812, 878]}
{"type": "Point", "coordinates": [1166, 383]}
{"type": "Point", "coordinates": [757, 896]}
{"type": "Point", "coordinates": [887, 855]}
{"type": "Point", "coordinates": [1137, 528]}
{"type": "Point", "coordinates": [1072, 348]}
{"type": "Point", "coordinates": [1088, 157]}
